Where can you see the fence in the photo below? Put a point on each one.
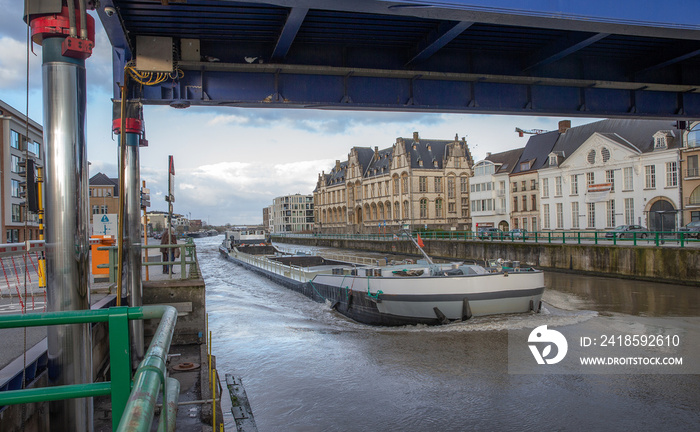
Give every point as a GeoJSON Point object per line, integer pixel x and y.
{"type": "Point", "coordinates": [645, 238]}
{"type": "Point", "coordinates": [186, 262]}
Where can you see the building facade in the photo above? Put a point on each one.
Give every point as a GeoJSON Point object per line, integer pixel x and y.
{"type": "Point", "coordinates": [293, 213]}
{"type": "Point", "coordinates": [20, 139]}
{"type": "Point", "coordinates": [421, 183]}
{"type": "Point", "coordinates": [104, 196]}
{"type": "Point", "coordinates": [610, 173]}
{"type": "Point", "coordinates": [690, 174]}
{"type": "Point", "coordinates": [490, 195]}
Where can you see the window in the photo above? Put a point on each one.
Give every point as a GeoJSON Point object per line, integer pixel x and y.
{"type": "Point", "coordinates": [15, 188]}
{"type": "Point", "coordinates": [591, 157]}
{"type": "Point", "coordinates": [574, 215]}
{"type": "Point", "coordinates": [463, 184]}
{"type": "Point", "coordinates": [533, 184]}
{"type": "Point", "coordinates": [590, 178]}
{"type": "Point", "coordinates": [671, 174]}
{"type": "Point", "coordinates": [515, 186]}
{"type": "Point", "coordinates": [451, 187]}
{"type": "Point", "coordinates": [605, 153]}
{"type": "Point", "coordinates": [16, 213]}
{"type": "Point", "coordinates": [405, 209]}
{"type": "Point", "coordinates": [525, 224]}
{"type": "Point", "coordinates": [574, 184]}
{"type": "Point", "coordinates": [560, 215]}
{"type": "Point", "coordinates": [610, 178]}
{"type": "Point", "coordinates": [422, 184]}
{"type": "Point", "coordinates": [693, 170]}
{"type": "Point", "coordinates": [452, 207]}
{"type": "Point", "coordinates": [533, 199]}
{"type": "Point", "coordinates": [397, 213]}
{"type": "Point", "coordinates": [396, 185]}
{"type": "Point", "coordinates": [591, 215]}
{"type": "Point", "coordinates": [438, 208]}
{"type": "Point", "coordinates": [438, 184]}
{"type": "Point", "coordinates": [610, 207]}
{"type": "Point", "coordinates": [523, 185]}
{"type": "Point", "coordinates": [557, 186]}
{"type": "Point", "coordinates": [465, 207]}
{"type": "Point", "coordinates": [545, 210]}
{"type": "Point", "coordinates": [650, 176]}
{"type": "Point", "coordinates": [534, 224]}
{"type": "Point", "coordinates": [627, 180]}
{"type": "Point", "coordinates": [424, 208]}
{"type": "Point", "coordinates": [524, 202]}
{"type": "Point", "coordinates": [34, 147]}
{"type": "Point", "coordinates": [13, 236]}
{"type": "Point", "coordinates": [404, 184]}
{"type": "Point", "coordinates": [14, 164]}
{"type": "Point", "coordinates": [545, 188]}
{"type": "Point", "coordinates": [629, 211]}
{"type": "Point", "coordinates": [14, 139]}
{"type": "Point", "coordinates": [660, 142]}
{"type": "Point", "coordinates": [515, 204]}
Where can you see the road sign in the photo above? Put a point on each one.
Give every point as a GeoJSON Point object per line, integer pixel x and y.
{"type": "Point", "coordinates": [105, 224]}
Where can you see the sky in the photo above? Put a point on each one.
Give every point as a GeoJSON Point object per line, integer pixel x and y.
{"type": "Point", "coordinates": [230, 163]}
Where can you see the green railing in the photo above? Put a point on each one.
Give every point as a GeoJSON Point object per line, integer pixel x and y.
{"type": "Point", "coordinates": [188, 257]}
{"type": "Point", "coordinates": [132, 409]}
{"type": "Point", "coordinates": [642, 238]}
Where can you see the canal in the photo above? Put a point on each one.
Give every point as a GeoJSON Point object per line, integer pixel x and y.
{"type": "Point", "coordinates": [306, 368]}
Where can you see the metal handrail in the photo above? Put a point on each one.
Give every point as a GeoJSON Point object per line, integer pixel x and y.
{"type": "Point", "coordinates": [187, 250]}
{"type": "Point", "coordinates": [132, 410]}
{"type": "Point", "coordinates": [646, 238]}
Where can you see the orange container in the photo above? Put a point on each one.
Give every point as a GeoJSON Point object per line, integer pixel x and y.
{"type": "Point", "coordinates": [100, 256]}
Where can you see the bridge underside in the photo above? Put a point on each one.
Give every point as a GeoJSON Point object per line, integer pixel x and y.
{"type": "Point", "coordinates": [458, 56]}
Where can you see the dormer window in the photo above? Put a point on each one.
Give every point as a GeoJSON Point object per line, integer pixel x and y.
{"type": "Point", "coordinates": [428, 147]}
{"type": "Point", "coordinates": [524, 166]}
{"type": "Point", "coordinates": [420, 163]}
{"type": "Point", "coordinates": [553, 160]}
{"type": "Point", "coordinates": [435, 164]}
{"type": "Point", "coordinates": [660, 141]}
{"type": "Point", "coordinates": [414, 147]}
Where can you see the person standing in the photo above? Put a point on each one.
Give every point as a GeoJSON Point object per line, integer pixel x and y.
{"type": "Point", "coordinates": [168, 253]}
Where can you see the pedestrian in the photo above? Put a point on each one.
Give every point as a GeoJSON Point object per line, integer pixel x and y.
{"type": "Point", "coordinates": [168, 253]}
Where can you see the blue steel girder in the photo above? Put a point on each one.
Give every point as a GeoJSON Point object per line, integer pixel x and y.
{"type": "Point", "coordinates": [593, 58]}
{"type": "Point", "coordinates": [290, 86]}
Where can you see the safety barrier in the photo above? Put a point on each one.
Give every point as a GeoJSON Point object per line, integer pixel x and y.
{"type": "Point", "coordinates": [132, 409]}
{"type": "Point", "coordinates": [634, 238]}
{"type": "Point", "coordinates": [186, 261]}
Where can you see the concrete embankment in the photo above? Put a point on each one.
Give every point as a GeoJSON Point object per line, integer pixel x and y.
{"type": "Point", "coordinates": [661, 264]}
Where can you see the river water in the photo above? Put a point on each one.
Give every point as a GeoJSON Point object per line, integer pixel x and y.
{"type": "Point", "coordinates": [307, 368]}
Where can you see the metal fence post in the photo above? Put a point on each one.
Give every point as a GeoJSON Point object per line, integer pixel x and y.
{"type": "Point", "coordinates": [120, 360]}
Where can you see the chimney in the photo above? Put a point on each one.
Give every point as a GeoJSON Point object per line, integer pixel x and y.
{"type": "Point", "coordinates": [337, 165]}
{"type": "Point", "coordinates": [415, 137]}
{"type": "Point", "coordinates": [564, 126]}
{"type": "Point", "coordinates": [488, 154]}
{"type": "Point", "coordinates": [376, 153]}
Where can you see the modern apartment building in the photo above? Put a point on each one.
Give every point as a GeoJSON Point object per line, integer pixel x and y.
{"type": "Point", "coordinates": [416, 182]}
{"type": "Point", "coordinates": [20, 139]}
{"type": "Point", "coordinates": [293, 213]}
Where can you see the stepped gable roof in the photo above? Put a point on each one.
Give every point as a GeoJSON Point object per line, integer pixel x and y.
{"type": "Point", "coordinates": [637, 135]}
{"type": "Point", "coordinates": [381, 165]}
{"type": "Point", "coordinates": [506, 160]}
{"type": "Point", "coordinates": [336, 176]}
{"type": "Point", "coordinates": [537, 150]}
{"type": "Point", "coordinates": [428, 151]}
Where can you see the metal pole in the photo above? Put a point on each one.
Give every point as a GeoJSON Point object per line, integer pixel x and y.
{"type": "Point", "coordinates": [67, 226]}
{"type": "Point", "coordinates": [132, 267]}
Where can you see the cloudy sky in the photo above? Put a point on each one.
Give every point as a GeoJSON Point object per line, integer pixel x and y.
{"type": "Point", "coordinates": [231, 162]}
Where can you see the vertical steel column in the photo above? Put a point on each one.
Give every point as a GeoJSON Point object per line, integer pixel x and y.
{"type": "Point", "coordinates": [67, 224]}
{"type": "Point", "coordinates": [132, 244]}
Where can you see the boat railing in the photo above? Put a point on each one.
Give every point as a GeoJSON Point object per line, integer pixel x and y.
{"type": "Point", "coordinates": [133, 397]}
{"type": "Point", "coordinates": [353, 259]}
{"type": "Point", "coordinates": [297, 273]}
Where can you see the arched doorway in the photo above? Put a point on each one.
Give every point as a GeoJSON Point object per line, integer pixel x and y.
{"type": "Point", "coordinates": [503, 226]}
{"type": "Point", "coordinates": [662, 216]}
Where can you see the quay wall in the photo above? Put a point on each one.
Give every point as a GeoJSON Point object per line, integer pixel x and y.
{"type": "Point", "coordinates": [661, 264]}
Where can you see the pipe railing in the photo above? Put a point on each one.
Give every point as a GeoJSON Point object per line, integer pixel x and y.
{"type": "Point", "coordinates": [642, 238]}
{"type": "Point", "coordinates": [132, 409]}
{"type": "Point", "coordinates": [188, 257]}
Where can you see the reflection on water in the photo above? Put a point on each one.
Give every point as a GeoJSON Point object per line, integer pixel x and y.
{"type": "Point", "coordinates": [626, 296]}
{"type": "Point", "coordinates": [306, 368]}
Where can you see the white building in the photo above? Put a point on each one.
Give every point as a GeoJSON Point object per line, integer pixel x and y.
{"type": "Point", "coordinates": [489, 192]}
{"type": "Point", "coordinates": [610, 173]}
